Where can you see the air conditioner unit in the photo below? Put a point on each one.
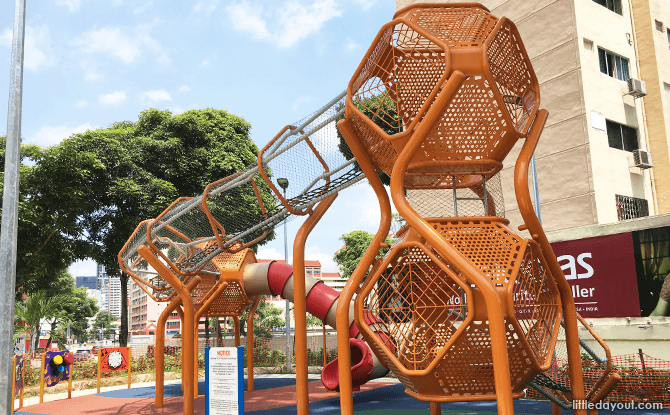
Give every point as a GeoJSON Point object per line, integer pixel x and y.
{"type": "Point", "coordinates": [642, 159]}
{"type": "Point", "coordinates": [636, 88]}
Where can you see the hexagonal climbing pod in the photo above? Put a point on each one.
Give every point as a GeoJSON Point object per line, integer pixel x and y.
{"type": "Point", "coordinates": [407, 66]}
{"type": "Point", "coordinates": [437, 321]}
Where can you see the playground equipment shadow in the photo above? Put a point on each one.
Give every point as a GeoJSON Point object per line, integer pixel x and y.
{"type": "Point", "coordinates": [275, 395]}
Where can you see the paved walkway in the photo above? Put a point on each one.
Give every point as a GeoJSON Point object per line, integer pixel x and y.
{"type": "Point", "coordinates": [273, 395]}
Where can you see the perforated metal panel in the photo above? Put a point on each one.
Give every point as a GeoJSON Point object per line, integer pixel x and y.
{"type": "Point", "coordinates": [440, 347]}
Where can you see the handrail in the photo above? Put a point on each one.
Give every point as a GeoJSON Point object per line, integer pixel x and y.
{"type": "Point", "coordinates": [533, 225]}
{"type": "Point", "coordinates": [342, 323]}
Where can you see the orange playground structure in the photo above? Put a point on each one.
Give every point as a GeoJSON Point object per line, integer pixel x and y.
{"type": "Point", "coordinates": [461, 308]}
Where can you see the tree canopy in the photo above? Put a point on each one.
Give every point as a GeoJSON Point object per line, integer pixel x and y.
{"type": "Point", "coordinates": [84, 197]}
{"type": "Point", "coordinates": [355, 245]}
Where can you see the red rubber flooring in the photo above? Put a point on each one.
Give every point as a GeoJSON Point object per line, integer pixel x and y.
{"type": "Point", "coordinates": [258, 400]}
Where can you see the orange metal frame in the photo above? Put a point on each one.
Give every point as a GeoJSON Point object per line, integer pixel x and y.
{"type": "Point", "coordinates": [408, 159]}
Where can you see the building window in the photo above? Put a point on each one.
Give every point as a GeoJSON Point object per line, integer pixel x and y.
{"type": "Point", "coordinates": [659, 26]}
{"type": "Point", "coordinates": [631, 207]}
{"type": "Point", "coordinates": [621, 136]}
{"type": "Point", "coordinates": [613, 65]}
{"type": "Point", "coordinates": [668, 38]}
{"type": "Point", "coordinates": [614, 5]}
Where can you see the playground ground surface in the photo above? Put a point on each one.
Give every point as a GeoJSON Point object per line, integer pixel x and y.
{"type": "Point", "coordinates": [274, 395]}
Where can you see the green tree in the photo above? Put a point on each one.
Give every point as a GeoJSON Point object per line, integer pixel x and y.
{"type": "Point", "coordinates": [49, 232]}
{"type": "Point", "coordinates": [74, 306]}
{"type": "Point", "coordinates": [267, 317]}
{"type": "Point", "coordinates": [103, 324]}
{"type": "Point", "coordinates": [382, 111]}
{"type": "Point", "coordinates": [355, 245]}
{"type": "Point", "coordinates": [33, 311]}
{"type": "Point", "coordinates": [135, 170]}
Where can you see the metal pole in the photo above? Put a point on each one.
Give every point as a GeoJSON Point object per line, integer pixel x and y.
{"type": "Point", "coordinates": [10, 208]}
{"type": "Point", "coordinates": [288, 304]}
{"type": "Point", "coordinates": [536, 191]}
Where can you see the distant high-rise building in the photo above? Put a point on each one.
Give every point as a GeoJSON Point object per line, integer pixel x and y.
{"type": "Point", "coordinates": [87, 282]}
{"type": "Point", "coordinates": [102, 277]}
{"type": "Point", "coordinates": [114, 296]}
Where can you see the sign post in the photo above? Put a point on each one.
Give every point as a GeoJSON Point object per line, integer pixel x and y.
{"type": "Point", "coordinates": [224, 380]}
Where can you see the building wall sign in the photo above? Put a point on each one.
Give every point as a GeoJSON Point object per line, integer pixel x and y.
{"type": "Point", "coordinates": [601, 272]}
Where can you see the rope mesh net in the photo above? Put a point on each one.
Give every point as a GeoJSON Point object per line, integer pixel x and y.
{"type": "Point", "coordinates": [240, 210]}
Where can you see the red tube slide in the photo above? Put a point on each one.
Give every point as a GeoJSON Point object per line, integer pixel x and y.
{"type": "Point", "coordinates": [274, 278]}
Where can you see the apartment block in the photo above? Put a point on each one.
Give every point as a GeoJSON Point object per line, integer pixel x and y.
{"type": "Point", "coordinates": [592, 164]}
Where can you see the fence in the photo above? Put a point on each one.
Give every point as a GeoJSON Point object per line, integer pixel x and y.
{"type": "Point", "coordinates": [645, 379]}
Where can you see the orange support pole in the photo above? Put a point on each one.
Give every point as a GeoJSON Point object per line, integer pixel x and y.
{"type": "Point", "coordinates": [130, 358]}
{"type": "Point", "coordinates": [13, 383]}
{"type": "Point", "coordinates": [435, 408]}
{"type": "Point", "coordinates": [250, 345]}
{"type": "Point", "coordinates": [536, 231]}
{"type": "Point", "coordinates": [300, 303]}
{"type": "Point", "coordinates": [98, 367]}
{"type": "Point", "coordinates": [159, 351]}
{"type": "Point", "coordinates": [236, 323]}
{"type": "Point", "coordinates": [69, 382]}
{"type": "Point", "coordinates": [180, 312]}
{"type": "Point", "coordinates": [189, 314]}
{"type": "Point", "coordinates": [202, 310]}
{"type": "Point", "coordinates": [325, 352]}
{"type": "Point", "coordinates": [196, 348]}
{"type": "Point", "coordinates": [555, 409]}
{"type": "Point", "coordinates": [42, 380]}
{"type": "Point", "coordinates": [342, 323]}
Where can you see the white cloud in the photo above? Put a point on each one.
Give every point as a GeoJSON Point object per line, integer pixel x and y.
{"type": "Point", "coordinates": [205, 6]}
{"type": "Point", "coordinates": [115, 97]}
{"type": "Point", "coordinates": [110, 40]}
{"type": "Point", "coordinates": [143, 7]}
{"type": "Point", "coordinates": [51, 136]}
{"type": "Point", "coordinates": [351, 45]}
{"type": "Point", "coordinates": [269, 253]}
{"type": "Point", "coordinates": [73, 5]}
{"type": "Point", "coordinates": [82, 104]}
{"type": "Point", "coordinates": [301, 100]}
{"type": "Point", "coordinates": [366, 206]}
{"type": "Point", "coordinates": [365, 4]}
{"type": "Point", "coordinates": [204, 63]}
{"type": "Point", "coordinates": [37, 47]}
{"type": "Point", "coordinates": [156, 96]}
{"type": "Point", "coordinates": [128, 45]}
{"type": "Point", "coordinates": [327, 263]}
{"type": "Point", "coordinates": [183, 89]}
{"type": "Point", "coordinates": [291, 21]}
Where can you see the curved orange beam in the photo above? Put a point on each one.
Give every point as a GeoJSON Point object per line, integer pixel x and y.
{"type": "Point", "coordinates": [492, 300]}
{"type": "Point", "coordinates": [342, 323]}
{"type": "Point", "coordinates": [187, 327]}
{"type": "Point", "coordinates": [159, 350]}
{"type": "Point", "coordinates": [300, 303]}
{"type": "Point", "coordinates": [532, 223]}
{"type": "Point", "coordinates": [265, 177]}
{"type": "Point", "coordinates": [250, 344]}
{"type": "Point", "coordinates": [204, 307]}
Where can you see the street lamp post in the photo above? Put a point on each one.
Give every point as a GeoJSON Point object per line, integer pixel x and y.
{"type": "Point", "coordinates": [283, 183]}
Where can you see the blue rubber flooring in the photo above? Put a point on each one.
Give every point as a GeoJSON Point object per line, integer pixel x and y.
{"type": "Point", "coordinates": [175, 389]}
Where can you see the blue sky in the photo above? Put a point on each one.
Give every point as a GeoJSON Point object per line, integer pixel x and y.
{"type": "Point", "coordinates": [90, 63]}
